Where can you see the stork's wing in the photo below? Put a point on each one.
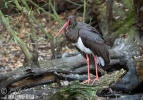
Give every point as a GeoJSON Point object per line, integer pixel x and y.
{"type": "Point", "coordinates": [88, 28]}
{"type": "Point", "coordinates": [95, 42]}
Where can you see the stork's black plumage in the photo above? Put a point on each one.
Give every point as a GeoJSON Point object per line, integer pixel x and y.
{"type": "Point", "coordinates": [88, 41]}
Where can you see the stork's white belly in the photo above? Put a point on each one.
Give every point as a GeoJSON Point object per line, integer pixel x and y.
{"type": "Point", "coordinates": [81, 46]}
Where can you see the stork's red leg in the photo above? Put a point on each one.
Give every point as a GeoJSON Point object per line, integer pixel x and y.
{"type": "Point", "coordinates": [96, 66]}
{"type": "Point", "coordinates": [88, 65]}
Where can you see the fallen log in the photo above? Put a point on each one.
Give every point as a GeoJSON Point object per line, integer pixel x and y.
{"type": "Point", "coordinates": [70, 68]}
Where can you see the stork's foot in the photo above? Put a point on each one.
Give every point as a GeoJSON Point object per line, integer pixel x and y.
{"type": "Point", "coordinates": [86, 81]}
{"type": "Point", "coordinates": [96, 79]}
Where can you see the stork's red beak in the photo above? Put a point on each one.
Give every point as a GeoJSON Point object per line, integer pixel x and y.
{"type": "Point", "coordinates": [64, 26]}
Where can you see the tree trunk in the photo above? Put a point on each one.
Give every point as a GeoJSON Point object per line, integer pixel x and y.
{"type": "Point", "coordinates": [138, 4]}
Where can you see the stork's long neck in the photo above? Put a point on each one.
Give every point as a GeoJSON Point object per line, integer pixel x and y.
{"type": "Point", "coordinates": [72, 33]}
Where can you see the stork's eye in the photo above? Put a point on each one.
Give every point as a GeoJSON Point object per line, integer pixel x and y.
{"type": "Point", "coordinates": [69, 21]}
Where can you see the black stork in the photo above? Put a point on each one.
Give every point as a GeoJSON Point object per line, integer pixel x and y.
{"type": "Point", "coordinates": [89, 42]}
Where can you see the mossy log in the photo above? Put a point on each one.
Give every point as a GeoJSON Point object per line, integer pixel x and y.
{"type": "Point", "coordinates": [78, 91]}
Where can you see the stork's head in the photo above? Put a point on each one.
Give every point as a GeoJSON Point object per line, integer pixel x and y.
{"type": "Point", "coordinates": [70, 21]}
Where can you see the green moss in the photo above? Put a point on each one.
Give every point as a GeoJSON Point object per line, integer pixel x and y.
{"type": "Point", "coordinates": [123, 28]}
{"type": "Point", "coordinates": [128, 3]}
{"type": "Point", "coordinates": [126, 22]}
